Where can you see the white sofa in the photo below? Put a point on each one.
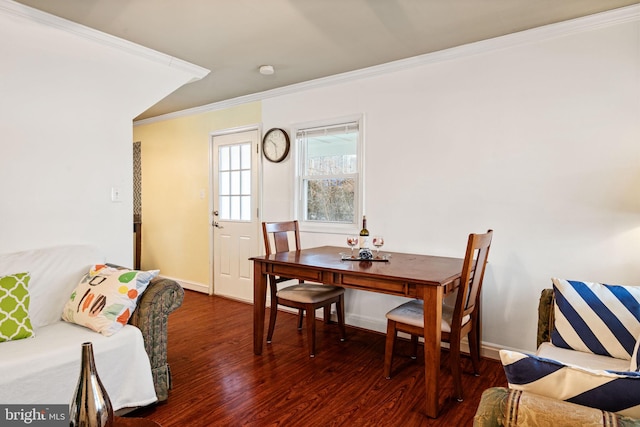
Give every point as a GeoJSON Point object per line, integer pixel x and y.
{"type": "Point", "coordinates": [44, 369]}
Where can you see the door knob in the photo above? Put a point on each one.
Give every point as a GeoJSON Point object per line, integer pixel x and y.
{"type": "Point", "coordinates": [216, 224]}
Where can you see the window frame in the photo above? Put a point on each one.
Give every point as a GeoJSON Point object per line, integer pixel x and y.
{"type": "Point", "coordinates": [299, 195]}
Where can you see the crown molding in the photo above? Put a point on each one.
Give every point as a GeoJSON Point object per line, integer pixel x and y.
{"type": "Point", "coordinates": [19, 10]}
{"type": "Point", "coordinates": [535, 35]}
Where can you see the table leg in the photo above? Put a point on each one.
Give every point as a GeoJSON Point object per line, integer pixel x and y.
{"type": "Point", "coordinates": [432, 335]}
{"type": "Point", "coordinates": [259, 306]}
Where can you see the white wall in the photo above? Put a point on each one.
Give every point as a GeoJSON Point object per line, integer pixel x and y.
{"type": "Point", "coordinates": [68, 96]}
{"type": "Point", "coordinates": [536, 136]}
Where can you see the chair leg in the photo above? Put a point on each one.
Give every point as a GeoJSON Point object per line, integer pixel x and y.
{"type": "Point", "coordinates": [326, 312]}
{"type": "Point", "coordinates": [414, 346]}
{"type": "Point", "coordinates": [474, 350]}
{"type": "Point", "coordinates": [454, 357]}
{"type": "Point", "coordinates": [340, 310]}
{"type": "Point", "coordinates": [300, 316]}
{"type": "Point", "coordinates": [273, 312]}
{"type": "Point", "coordinates": [389, 348]}
{"type": "Point", "coordinates": [311, 330]}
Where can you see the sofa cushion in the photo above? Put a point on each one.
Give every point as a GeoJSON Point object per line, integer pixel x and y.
{"type": "Point", "coordinates": [45, 369]}
{"type": "Point", "coordinates": [580, 358]}
{"type": "Point", "coordinates": [15, 323]}
{"type": "Point", "coordinates": [106, 297]}
{"type": "Point", "coordinates": [596, 318]}
{"type": "Point", "coordinates": [610, 391]}
{"type": "Point", "coordinates": [54, 271]}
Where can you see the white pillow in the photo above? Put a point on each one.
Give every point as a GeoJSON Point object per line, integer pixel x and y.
{"type": "Point", "coordinates": [596, 318]}
{"type": "Point", "coordinates": [610, 391]}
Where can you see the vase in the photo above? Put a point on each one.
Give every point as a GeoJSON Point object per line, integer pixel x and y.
{"type": "Point", "coordinates": [90, 406]}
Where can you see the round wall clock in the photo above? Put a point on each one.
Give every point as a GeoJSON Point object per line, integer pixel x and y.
{"type": "Point", "coordinates": [275, 145]}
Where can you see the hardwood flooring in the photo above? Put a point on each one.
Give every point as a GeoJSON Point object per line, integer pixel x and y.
{"type": "Point", "coordinates": [218, 381]}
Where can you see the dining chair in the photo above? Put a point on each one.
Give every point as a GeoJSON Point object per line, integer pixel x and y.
{"type": "Point", "coordinates": [461, 319]}
{"type": "Point", "coordinates": [306, 297]}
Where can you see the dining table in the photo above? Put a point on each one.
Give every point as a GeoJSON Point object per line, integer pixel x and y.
{"type": "Point", "coordinates": [425, 277]}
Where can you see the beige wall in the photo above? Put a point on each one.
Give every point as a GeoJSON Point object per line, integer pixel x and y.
{"type": "Point", "coordinates": [175, 175]}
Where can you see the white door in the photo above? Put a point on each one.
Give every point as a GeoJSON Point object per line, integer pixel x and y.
{"type": "Point", "coordinates": [235, 213]}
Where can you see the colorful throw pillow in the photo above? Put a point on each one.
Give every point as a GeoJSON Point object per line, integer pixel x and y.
{"type": "Point", "coordinates": [610, 391]}
{"type": "Point", "coordinates": [14, 307]}
{"type": "Point", "coordinates": [596, 318]}
{"type": "Point", "coordinates": [106, 297]}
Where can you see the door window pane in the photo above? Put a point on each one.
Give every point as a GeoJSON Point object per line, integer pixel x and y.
{"type": "Point", "coordinates": [224, 157]}
{"type": "Point", "coordinates": [234, 180]}
{"type": "Point", "coordinates": [245, 156]}
{"type": "Point", "coordinates": [235, 157]}
{"type": "Point", "coordinates": [245, 182]}
{"type": "Point", "coordinates": [225, 208]}
{"type": "Point", "coordinates": [224, 183]}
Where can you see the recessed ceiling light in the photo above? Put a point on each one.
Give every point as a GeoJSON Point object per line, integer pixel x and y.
{"type": "Point", "coordinates": [266, 70]}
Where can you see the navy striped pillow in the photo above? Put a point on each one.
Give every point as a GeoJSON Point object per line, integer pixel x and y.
{"type": "Point", "coordinates": [596, 318]}
{"type": "Point", "coordinates": [610, 391]}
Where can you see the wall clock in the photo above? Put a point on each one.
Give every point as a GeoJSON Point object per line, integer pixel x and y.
{"type": "Point", "coordinates": [275, 145]}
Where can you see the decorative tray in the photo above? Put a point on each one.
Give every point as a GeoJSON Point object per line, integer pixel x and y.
{"type": "Point", "coordinates": [346, 256]}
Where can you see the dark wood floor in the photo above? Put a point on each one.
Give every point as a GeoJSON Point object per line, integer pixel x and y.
{"type": "Point", "coordinates": [218, 381]}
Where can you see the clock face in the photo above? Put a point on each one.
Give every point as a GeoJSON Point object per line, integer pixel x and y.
{"type": "Point", "coordinates": [275, 145]}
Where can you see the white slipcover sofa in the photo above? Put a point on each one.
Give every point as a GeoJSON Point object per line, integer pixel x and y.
{"type": "Point", "coordinates": [44, 369]}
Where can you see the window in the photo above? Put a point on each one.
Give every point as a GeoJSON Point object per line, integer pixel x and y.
{"type": "Point", "coordinates": [235, 182]}
{"type": "Point", "coordinates": [329, 179]}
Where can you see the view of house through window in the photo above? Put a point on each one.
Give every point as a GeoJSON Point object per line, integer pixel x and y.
{"type": "Point", "coordinates": [329, 176]}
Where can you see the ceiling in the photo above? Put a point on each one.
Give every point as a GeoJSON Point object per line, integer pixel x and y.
{"type": "Point", "coordinates": [302, 39]}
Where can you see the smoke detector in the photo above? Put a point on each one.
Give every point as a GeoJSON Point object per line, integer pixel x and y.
{"type": "Point", "coordinates": [266, 70]}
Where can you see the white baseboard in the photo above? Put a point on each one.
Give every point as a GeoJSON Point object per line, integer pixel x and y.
{"type": "Point", "coordinates": [193, 286]}
{"type": "Point", "coordinates": [488, 350]}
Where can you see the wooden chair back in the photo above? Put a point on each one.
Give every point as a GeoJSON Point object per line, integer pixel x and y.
{"type": "Point", "coordinates": [473, 269]}
{"type": "Point", "coordinates": [280, 232]}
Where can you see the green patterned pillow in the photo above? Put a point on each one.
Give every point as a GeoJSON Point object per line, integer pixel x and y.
{"type": "Point", "coordinates": [14, 307]}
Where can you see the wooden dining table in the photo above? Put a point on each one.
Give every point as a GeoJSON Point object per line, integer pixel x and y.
{"type": "Point", "coordinates": [426, 277]}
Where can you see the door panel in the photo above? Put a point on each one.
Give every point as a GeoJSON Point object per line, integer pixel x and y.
{"type": "Point", "coordinates": [235, 213]}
